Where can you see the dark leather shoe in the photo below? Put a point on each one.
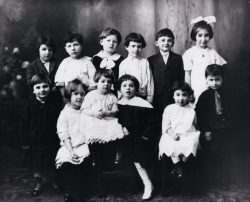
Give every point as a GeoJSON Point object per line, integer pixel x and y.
{"type": "Point", "coordinates": [38, 188]}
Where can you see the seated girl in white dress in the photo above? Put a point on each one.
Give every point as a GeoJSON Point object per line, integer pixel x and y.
{"type": "Point", "coordinates": [179, 138]}
{"type": "Point", "coordinates": [71, 157]}
{"type": "Point", "coordinates": [99, 117]}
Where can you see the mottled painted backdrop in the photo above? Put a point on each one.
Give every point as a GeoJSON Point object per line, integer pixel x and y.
{"type": "Point", "coordinates": [23, 21]}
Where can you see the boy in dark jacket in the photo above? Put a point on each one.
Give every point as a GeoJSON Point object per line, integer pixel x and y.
{"type": "Point", "coordinates": [38, 130]}
{"type": "Point", "coordinates": [213, 115]}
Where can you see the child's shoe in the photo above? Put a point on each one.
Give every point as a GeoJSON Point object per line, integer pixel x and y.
{"type": "Point", "coordinates": [93, 158]}
{"type": "Point", "coordinates": [56, 188]}
{"type": "Point", "coordinates": [118, 157]}
{"type": "Point", "coordinates": [148, 190]}
{"type": "Point", "coordinates": [39, 185]}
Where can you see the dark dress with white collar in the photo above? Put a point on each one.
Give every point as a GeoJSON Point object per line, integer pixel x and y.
{"type": "Point", "coordinates": [139, 118]}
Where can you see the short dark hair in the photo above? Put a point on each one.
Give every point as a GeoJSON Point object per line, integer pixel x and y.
{"type": "Point", "coordinates": [214, 70]}
{"type": "Point", "coordinates": [127, 77]}
{"type": "Point", "coordinates": [201, 25]}
{"type": "Point", "coordinates": [40, 78]}
{"type": "Point", "coordinates": [72, 87]}
{"type": "Point", "coordinates": [46, 40]}
{"type": "Point", "coordinates": [104, 72]}
{"type": "Point", "coordinates": [110, 31]}
{"type": "Point", "coordinates": [183, 86]}
{"type": "Point", "coordinates": [71, 37]}
{"type": "Point", "coordinates": [164, 32]}
{"type": "Point", "coordinates": [136, 38]}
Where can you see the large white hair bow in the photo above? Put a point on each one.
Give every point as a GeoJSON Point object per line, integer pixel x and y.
{"type": "Point", "coordinates": [208, 19]}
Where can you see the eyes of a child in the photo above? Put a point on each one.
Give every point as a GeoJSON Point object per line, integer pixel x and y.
{"type": "Point", "coordinates": [130, 85]}
{"type": "Point", "coordinates": [182, 94]}
{"type": "Point", "coordinates": [106, 81]}
{"type": "Point", "coordinates": [43, 86]}
{"type": "Point", "coordinates": [76, 93]}
{"type": "Point", "coordinates": [45, 49]}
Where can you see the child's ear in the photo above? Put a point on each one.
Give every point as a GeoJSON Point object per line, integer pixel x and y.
{"type": "Point", "coordinates": [101, 41]}
{"type": "Point", "coordinates": [126, 47]}
{"type": "Point", "coordinates": [156, 43]}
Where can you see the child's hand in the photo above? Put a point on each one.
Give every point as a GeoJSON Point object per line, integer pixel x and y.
{"type": "Point", "coordinates": [145, 138]}
{"type": "Point", "coordinates": [208, 136]}
{"type": "Point", "coordinates": [74, 156]}
{"type": "Point", "coordinates": [98, 114]}
{"type": "Point", "coordinates": [26, 147]}
{"type": "Point", "coordinates": [125, 131]}
{"type": "Point", "coordinates": [176, 136]}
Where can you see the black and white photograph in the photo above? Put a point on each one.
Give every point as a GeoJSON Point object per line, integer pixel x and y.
{"type": "Point", "coordinates": [124, 100]}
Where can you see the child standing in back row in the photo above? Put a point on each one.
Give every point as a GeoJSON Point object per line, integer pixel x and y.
{"type": "Point", "coordinates": [108, 58]}
{"type": "Point", "coordinates": [197, 58]}
{"type": "Point", "coordinates": [137, 66]}
{"type": "Point", "coordinates": [76, 66]}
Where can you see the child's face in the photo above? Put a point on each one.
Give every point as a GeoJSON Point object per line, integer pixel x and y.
{"type": "Point", "coordinates": [202, 38]}
{"type": "Point", "coordinates": [181, 97]}
{"type": "Point", "coordinates": [45, 52]}
{"type": "Point", "coordinates": [77, 97]}
{"type": "Point", "coordinates": [74, 49]}
{"type": "Point", "coordinates": [110, 44]}
{"type": "Point", "coordinates": [134, 49]}
{"type": "Point", "coordinates": [104, 85]}
{"type": "Point", "coordinates": [128, 89]}
{"type": "Point", "coordinates": [214, 82]}
{"type": "Point", "coordinates": [41, 90]}
{"type": "Point", "coordinates": [164, 43]}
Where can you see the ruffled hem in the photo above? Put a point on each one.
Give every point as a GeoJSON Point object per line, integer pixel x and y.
{"type": "Point", "coordinates": [188, 145]}
{"type": "Point", "coordinates": [102, 141]}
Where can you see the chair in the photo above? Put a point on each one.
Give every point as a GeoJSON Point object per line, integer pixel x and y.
{"type": "Point", "coordinates": [108, 170]}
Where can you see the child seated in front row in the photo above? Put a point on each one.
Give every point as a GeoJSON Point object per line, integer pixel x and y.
{"type": "Point", "coordinates": [71, 157]}
{"type": "Point", "coordinates": [137, 66]}
{"type": "Point", "coordinates": [76, 66]}
{"type": "Point", "coordinates": [99, 118]}
{"type": "Point", "coordinates": [108, 58]}
{"type": "Point", "coordinates": [180, 139]}
{"type": "Point", "coordinates": [38, 131]}
{"type": "Point", "coordinates": [216, 122]}
{"type": "Point", "coordinates": [138, 119]}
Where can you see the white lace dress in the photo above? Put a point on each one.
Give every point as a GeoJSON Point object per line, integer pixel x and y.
{"type": "Point", "coordinates": [180, 120]}
{"type": "Point", "coordinates": [68, 126]}
{"type": "Point", "coordinates": [100, 130]}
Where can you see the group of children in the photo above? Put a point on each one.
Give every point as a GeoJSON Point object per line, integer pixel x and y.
{"type": "Point", "coordinates": [134, 97]}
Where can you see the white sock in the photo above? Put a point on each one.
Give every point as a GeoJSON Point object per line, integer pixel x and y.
{"type": "Point", "coordinates": [143, 174]}
{"type": "Point", "coordinates": [175, 159]}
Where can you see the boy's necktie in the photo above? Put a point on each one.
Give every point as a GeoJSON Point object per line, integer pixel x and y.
{"type": "Point", "coordinates": [217, 103]}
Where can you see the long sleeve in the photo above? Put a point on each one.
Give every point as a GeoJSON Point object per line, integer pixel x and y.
{"type": "Point", "coordinates": [24, 127]}
{"type": "Point", "coordinates": [152, 118]}
{"type": "Point", "coordinates": [30, 73]}
{"type": "Point", "coordinates": [63, 127]}
{"type": "Point", "coordinates": [166, 124]}
{"type": "Point", "coordinates": [201, 109]}
{"type": "Point", "coordinates": [150, 85]}
{"type": "Point", "coordinates": [60, 74]}
{"type": "Point", "coordinates": [91, 73]}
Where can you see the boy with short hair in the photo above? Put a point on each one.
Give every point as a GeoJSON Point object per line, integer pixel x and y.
{"type": "Point", "coordinates": [38, 131]}
{"type": "Point", "coordinates": [167, 67]}
{"type": "Point", "coordinates": [137, 66]}
{"type": "Point", "coordinates": [216, 126]}
{"type": "Point", "coordinates": [76, 66]}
